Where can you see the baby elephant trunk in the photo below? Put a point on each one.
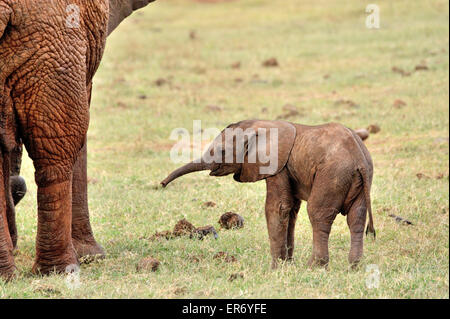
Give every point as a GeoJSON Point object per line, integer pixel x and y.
{"type": "Point", "coordinates": [186, 169]}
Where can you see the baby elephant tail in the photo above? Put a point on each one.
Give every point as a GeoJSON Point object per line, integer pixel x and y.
{"type": "Point", "coordinates": [363, 134]}
{"type": "Point", "coordinates": [370, 228]}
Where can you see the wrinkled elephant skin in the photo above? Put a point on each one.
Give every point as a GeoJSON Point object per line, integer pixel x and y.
{"type": "Point", "coordinates": [49, 53]}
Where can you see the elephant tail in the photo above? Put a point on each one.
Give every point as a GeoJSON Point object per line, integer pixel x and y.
{"type": "Point", "coordinates": [366, 185]}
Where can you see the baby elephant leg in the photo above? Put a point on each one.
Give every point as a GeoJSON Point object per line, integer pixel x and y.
{"type": "Point", "coordinates": [321, 221]}
{"type": "Point", "coordinates": [291, 228]}
{"type": "Point", "coordinates": [322, 210]}
{"type": "Point", "coordinates": [279, 203]}
{"type": "Point", "coordinates": [324, 202]}
{"type": "Point", "coordinates": [356, 220]}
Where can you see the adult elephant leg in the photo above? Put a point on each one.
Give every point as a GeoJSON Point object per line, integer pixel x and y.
{"type": "Point", "coordinates": [356, 220]}
{"type": "Point", "coordinates": [53, 132]}
{"type": "Point", "coordinates": [279, 203]}
{"type": "Point", "coordinates": [82, 235]}
{"type": "Point", "coordinates": [54, 249]}
{"type": "Point", "coordinates": [7, 266]}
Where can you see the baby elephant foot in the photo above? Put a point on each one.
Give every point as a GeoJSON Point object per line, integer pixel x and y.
{"type": "Point", "coordinates": [46, 264]}
{"type": "Point", "coordinates": [88, 250]}
{"type": "Point", "coordinates": [7, 270]}
{"type": "Point", "coordinates": [316, 261]}
{"type": "Point", "coordinates": [290, 260]}
{"type": "Point", "coordinates": [354, 262]}
{"type": "Point", "coordinates": [8, 274]}
{"type": "Point", "coordinates": [274, 264]}
{"type": "Point", "coordinates": [282, 260]}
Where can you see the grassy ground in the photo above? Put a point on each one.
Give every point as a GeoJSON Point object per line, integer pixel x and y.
{"type": "Point", "coordinates": [326, 55]}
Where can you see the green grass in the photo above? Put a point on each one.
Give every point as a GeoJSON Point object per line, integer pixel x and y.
{"type": "Point", "coordinates": [129, 148]}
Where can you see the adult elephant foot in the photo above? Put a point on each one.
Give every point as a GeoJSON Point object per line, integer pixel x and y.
{"type": "Point", "coordinates": [7, 270]}
{"type": "Point", "coordinates": [47, 264]}
{"type": "Point", "coordinates": [54, 248]}
{"type": "Point", "coordinates": [88, 249]}
{"type": "Point", "coordinates": [7, 266]}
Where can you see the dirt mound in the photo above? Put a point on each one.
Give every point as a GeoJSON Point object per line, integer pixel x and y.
{"type": "Point", "coordinates": [226, 257]}
{"type": "Point", "coordinates": [148, 264]}
{"type": "Point", "coordinates": [271, 63]}
{"type": "Point", "coordinates": [185, 228]}
{"type": "Point", "coordinates": [231, 220]}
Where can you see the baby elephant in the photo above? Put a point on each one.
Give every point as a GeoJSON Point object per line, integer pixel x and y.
{"type": "Point", "coordinates": [327, 165]}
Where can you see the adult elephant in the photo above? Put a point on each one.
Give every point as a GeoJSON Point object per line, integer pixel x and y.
{"type": "Point", "coordinates": [49, 53]}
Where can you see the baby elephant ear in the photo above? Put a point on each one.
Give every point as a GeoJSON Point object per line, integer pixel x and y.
{"type": "Point", "coordinates": [267, 151]}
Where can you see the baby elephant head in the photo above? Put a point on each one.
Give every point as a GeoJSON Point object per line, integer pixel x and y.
{"type": "Point", "coordinates": [251, 150]}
